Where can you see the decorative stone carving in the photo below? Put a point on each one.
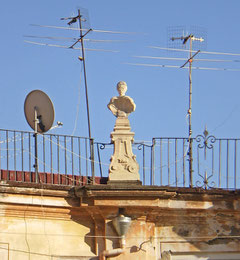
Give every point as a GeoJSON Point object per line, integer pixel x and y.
{"type": "Point", "coordinates": [122, 105]}
{"type": "Point", "coordinates": [123, 166]}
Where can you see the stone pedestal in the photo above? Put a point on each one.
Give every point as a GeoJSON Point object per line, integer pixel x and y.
{"type": "Point", "coordinates": [124, 167]}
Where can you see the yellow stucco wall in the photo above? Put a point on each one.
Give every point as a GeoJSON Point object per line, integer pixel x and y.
{"type": "Point", "coordinates": [53, 224]}
{"type": "Point", "coordinates": [42, 239]}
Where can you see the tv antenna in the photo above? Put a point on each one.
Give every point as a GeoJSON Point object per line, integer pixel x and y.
{"type": "Point", "coordinates": [189, 38]}
{"type": "Point", "coordinates": [79, 18]}
{"type": "Point", "coordinates": [196, 44]}
{"type": "Point", "coordinates": [39, 113]}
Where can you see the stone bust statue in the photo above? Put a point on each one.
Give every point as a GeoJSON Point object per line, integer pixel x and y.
{"type": "Point", "coordinates": [122, 105]}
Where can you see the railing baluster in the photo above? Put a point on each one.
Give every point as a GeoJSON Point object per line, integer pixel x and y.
{"type": "Point", "coordinates": [86, 156]}
{"type": "Point", "coordinates": [22, 156]}
{"type": "Point", "coordinates": [227, 176]}
{"type": "Point", "coordinates": [99, 160]}
{"type": "Point", "coordinates": [235, 164]}
{"type": "Point", "coordinates": [220, 159]}
{"type": "Point", "coordinates": [176, 177]}
{"type": "Point", "coordinates": [168, 154]}
{"type": "Point", "coordinates": [58, 161]}
{"type": "Point", "coordinates": [144, 181]}
{"type": "Point", "coordinates": [8, 174]}
{"type": "Point", "coordinates": [212, 160]}
{"type": "Point", "coordinates": [152, 177]}
{"type": "Point", "coordinates": [15, 156]}
{"type": "Point", "coordinates": [44, 157]}
{"type": "Point", "coordinates": [92, 160]}
{"type": "Point", "coordinates": [73, 182]}
{"type": "Point", "coordinates": [51, 160]}
{"type": "Point", "coordinates": [184, 177]}
{"type": "Point", "coordinates": [198, 160]}
{"type": "Point", "coordinates": [65, 158]}
{"type": "Point", "coordinates": [29, 156]}
{"type": "Point", "coordinates": [0, 156]}
{"type": "Point", "coordinates": [79, 158]}
{"type": "Point", "coordinates": [161, 165]}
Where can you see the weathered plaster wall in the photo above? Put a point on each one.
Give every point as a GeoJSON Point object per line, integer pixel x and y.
{"type": "Point", "coordinates": [40, 239]}
{"type": "Point", "coordinates": [41, 224]}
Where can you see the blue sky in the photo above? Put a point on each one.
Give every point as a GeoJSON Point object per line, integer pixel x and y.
{"type": "Point", "coordinates": [160, 94]}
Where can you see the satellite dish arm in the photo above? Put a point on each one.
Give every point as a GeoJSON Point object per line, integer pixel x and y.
{"type": "Point", "coordinates": [40, 123]}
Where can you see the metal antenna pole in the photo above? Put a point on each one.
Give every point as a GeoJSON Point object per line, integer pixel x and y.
{"type": "Point", "coordinates": [190, 115]}
{"type": "Point", "coordinates": [191, 38]}
{"type": "Point", "coordinates": [86, 92]}
{"type": "Point", "coordinates": [85, 76]}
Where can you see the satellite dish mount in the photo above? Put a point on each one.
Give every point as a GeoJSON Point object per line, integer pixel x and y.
{"type": "Point", "coordinates": [39, 113]}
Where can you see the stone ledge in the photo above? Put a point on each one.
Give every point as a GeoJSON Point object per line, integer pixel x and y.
{"type": "Point", "coordinates": [124, 183]}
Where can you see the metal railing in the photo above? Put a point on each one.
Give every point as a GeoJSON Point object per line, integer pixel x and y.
{"type": "Point", "coordinates": [215, 162]}
{"type": "Point", "coordinates": [62, 159]}
{"type": "Point", "coordinates": [73, 160]}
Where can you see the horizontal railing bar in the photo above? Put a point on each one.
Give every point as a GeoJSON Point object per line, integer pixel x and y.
{"type": "Point", "coordinates": [194, 138]}
{"type": "Point", "coordinates": [49, 134]}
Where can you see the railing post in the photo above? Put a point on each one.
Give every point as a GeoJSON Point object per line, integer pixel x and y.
{"type": "Point", "coordinates": [92, 160]}
{"type": "Point", "coordinates": [99, 160]}
{"type": "Point", "coordinates": [190, 162]}
{"type": "Point", "coordinates": [144, 180]}
{"type": "Point", "coordinates": [8, 173]}
{"type": "Point", "coordinates": [153, 162]}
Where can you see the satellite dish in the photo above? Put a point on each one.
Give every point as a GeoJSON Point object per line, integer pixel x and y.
{"type": "Point", "coordinates": [39, 111]}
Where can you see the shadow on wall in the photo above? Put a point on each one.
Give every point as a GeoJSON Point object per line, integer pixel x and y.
{"type": "Point", "coordinates": [82, 217]}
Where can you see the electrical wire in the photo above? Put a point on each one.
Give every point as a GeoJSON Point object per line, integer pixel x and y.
{"type": "Point", "coordinates": [77, 155]}
{"type": "Point", "coordinates": [226, 119]}
{"type": "Point", "coordinates": [77, 29]}
{"type": "Point", "coordinates": [163, 238]}
{"type": "Point", "coordinates": [78, 104]}
{"type": "Point", "coordinates": [71, 39]}
{"type": "Point", "coordinates": [183, 59]}
{"type": "Point", "coordinates": [205, 52]}
{"type": "Point", "coordinates": [67, 47]}
{"type": "Point", "coordinates": [174, 66]}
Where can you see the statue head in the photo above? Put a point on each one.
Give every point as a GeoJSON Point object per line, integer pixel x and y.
{"type": "Point", "coordinates": [122, 88]}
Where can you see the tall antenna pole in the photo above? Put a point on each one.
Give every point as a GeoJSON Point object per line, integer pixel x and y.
{"type": "Point", "coordinates": [85, 75]}
{"type": "Point", "coordinates": [81, 40]}
{"type": "Point", "coordinates": [191, 38]}
{"type": "Point", "coordinates": [190, 115]}
{"type": "Point", "coordinates": [86, 92]}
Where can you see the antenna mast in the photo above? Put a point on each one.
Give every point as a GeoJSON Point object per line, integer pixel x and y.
{"type": "Point", "coordinates": [84, 69]}
{"type": "Point", "coordinates": [185, 39]}
{"type": "Point", "coordinates": [74, 20]}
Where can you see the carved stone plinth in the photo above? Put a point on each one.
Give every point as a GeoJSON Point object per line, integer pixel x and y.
{"type": "Point", "coordinates": [124, 166]}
